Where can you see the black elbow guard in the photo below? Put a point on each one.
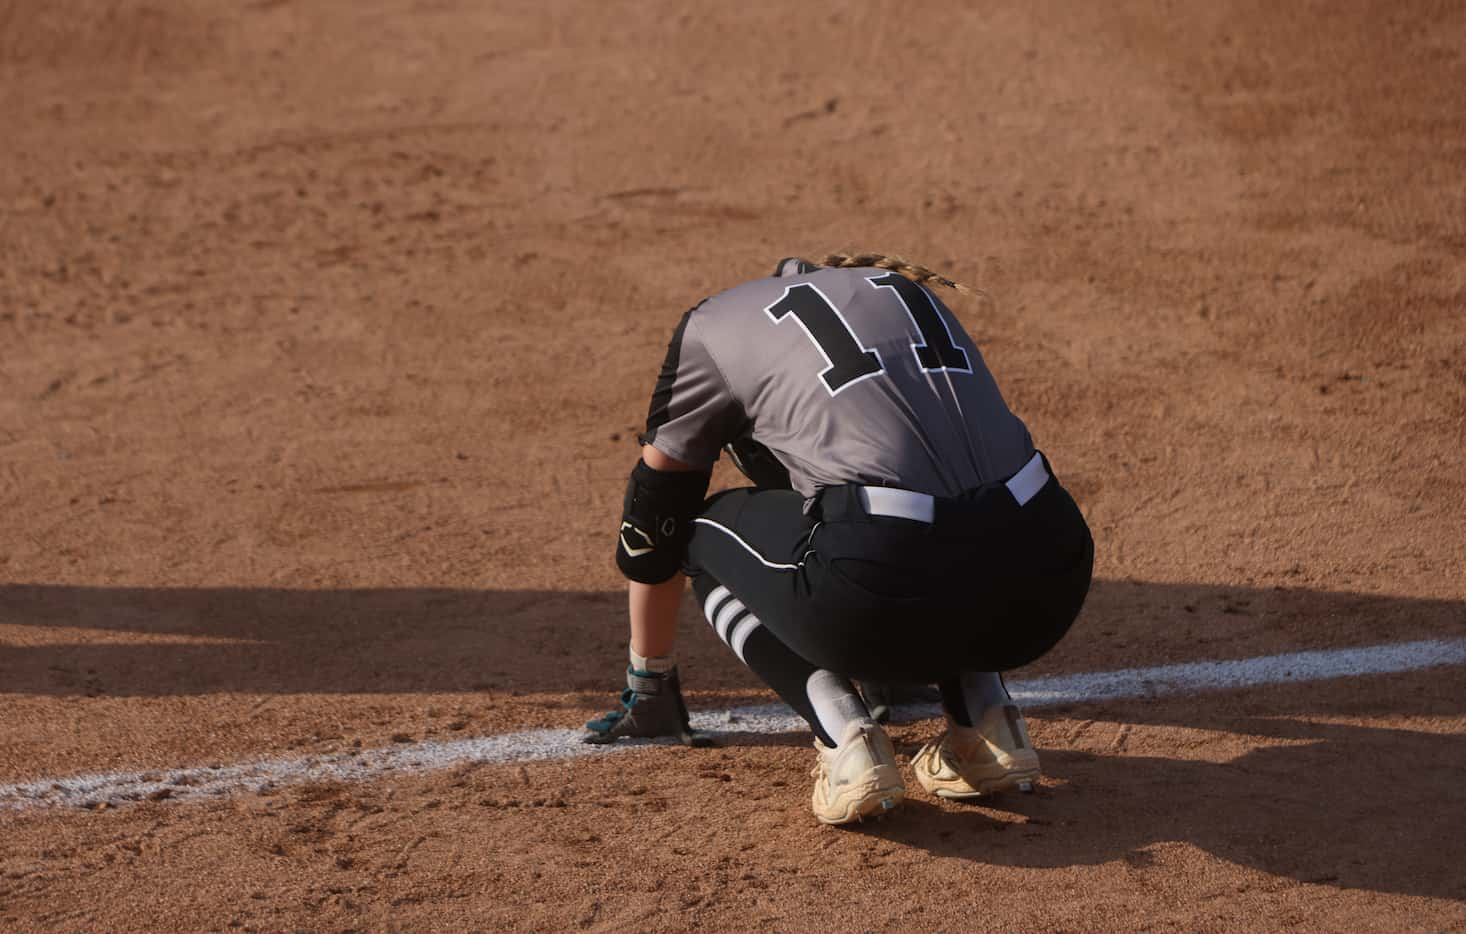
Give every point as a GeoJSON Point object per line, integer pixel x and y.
{"type": "Point", "coordinates": [656, 521]}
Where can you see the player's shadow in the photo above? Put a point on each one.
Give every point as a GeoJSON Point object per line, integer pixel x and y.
{"type": "Point", "coordinates": [121, 641]}
{"type": "Point", "coordinates": [1293, 792]}
{"type": "Point", "coordinates": [161, 642]}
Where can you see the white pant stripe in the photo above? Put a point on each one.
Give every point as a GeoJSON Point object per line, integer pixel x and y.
{"type": "Point", "coordinates": [776, 565]}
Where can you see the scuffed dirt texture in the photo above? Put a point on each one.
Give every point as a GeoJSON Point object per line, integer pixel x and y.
{"type": "Point", "coordinates": [325, 330]}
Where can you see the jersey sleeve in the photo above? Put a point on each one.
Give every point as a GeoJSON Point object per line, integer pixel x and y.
{"type": "Point", "coordinates": [693, 412]}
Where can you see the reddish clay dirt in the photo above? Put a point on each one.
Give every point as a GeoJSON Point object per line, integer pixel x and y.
{"type": "Point", "coordinates": [325, 330]}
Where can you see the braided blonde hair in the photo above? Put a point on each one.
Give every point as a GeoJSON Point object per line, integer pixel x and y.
{"type": "Point", "coordinates": [918, 274]}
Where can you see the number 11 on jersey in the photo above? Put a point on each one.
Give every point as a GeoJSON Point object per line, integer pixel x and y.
{"type": "Point", "coordinates": [849, 361]}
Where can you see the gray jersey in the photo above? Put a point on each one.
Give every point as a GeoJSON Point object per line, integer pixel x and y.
{"type": "Point", "coordinates": [847, 375]}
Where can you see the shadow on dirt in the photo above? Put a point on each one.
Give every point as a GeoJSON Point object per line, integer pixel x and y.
{"type": "Point", "coordinates": [1315, 801]}
{"type": "Point", "coordinates": [155, 642]}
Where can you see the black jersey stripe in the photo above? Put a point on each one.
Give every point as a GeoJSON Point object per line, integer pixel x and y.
{"type": "Point", "coordinates": [658, 412]}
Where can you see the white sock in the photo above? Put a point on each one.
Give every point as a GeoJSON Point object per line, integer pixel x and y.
{"type": "Point", "coordinates": [834, 701]}
{"type": "Point", "coordinates": [656, 664]}
{"type": "Point", "coordinates": [983, 690]}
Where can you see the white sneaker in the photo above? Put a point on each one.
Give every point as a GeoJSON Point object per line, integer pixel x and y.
{"type": "Point", "coordinates": [858, 779]}
{"type": "Point", "coordinates": [970, 761]}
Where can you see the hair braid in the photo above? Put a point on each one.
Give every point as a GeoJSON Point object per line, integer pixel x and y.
{"type": "Point", "coordinates": [918, 274]}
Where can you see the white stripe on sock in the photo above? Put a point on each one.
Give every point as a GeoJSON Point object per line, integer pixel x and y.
{"type": "Point", "coordinates": [715, 600]}
{"type": "Point", "coordinates": [740, 635]}
{"type": "Point", "coordinates": [725, 616]}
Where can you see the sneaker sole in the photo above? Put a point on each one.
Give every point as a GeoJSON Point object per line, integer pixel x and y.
{"type": "Point", "coordinates": [1014, 781]}
{"type": "Point", "coordinates": [1020, 778]}
{"type": "Point", "coordinates": [851, 808]}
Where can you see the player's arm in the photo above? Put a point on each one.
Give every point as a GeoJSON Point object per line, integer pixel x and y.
{"type": "Point", "coordinates": [654, 604]}
{"type": "Point", "coordinates": [663, 495]}
{"type": "Point", "coordinates": [692, 415]}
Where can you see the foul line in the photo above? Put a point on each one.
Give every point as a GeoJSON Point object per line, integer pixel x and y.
{"type": "Point", "coordinates": [115, 788]}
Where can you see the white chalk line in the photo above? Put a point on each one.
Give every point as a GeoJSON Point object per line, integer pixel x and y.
{"type": "Point", "coordinates": [116, 788]}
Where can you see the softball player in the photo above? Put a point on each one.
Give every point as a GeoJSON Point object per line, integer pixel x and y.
{"type": "Point", "coordinates": [902, 527]}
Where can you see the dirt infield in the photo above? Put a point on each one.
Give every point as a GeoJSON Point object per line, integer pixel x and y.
{"type": "Point", "coordinates": [325, 332]}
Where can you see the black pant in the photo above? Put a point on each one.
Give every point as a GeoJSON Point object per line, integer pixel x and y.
{"type": "Point", "coordinates": [987, 586]}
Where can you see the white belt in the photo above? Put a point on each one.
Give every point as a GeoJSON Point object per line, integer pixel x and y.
{"type": "Point", "coordinates": [904, 504]}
